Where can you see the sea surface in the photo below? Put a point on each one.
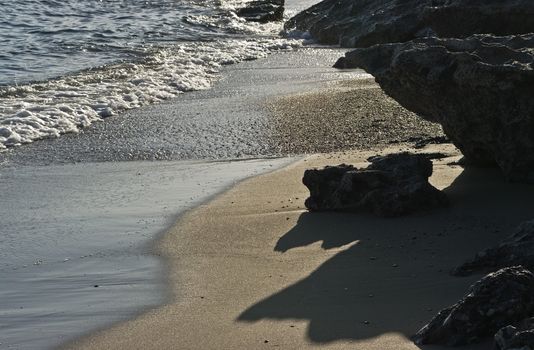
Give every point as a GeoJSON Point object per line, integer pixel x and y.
{"type": "Point", "coordinates": [67, 64]}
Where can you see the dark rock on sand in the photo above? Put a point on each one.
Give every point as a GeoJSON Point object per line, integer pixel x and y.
{"type": "Point", "coordinates": [391, 185]}
{"type": "Point", "coordinates": [517, 249]}
{"type": "Point", "coordinates": [502, 298]}
{"type": "Point", "coordinates": [363, 23]}
{"type": "Point", "coordinates": [262, 11]}
{"type": "Point", "coordinates": [480, 89]}
{"type": "Point", "coordinates": [519, 337]}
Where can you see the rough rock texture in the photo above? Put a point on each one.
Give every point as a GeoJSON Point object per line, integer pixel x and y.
{"type": "Point", "coordinates": [516, 338]}
{"type": "Point", "coordinates": [391, 185]}
{"type": "Point", "coordinates": [517, 249]}
{"type": "Point", "coordinates": [480, 89]}
{"type": "Point", "coordinates": [499, 299]}
{"type": "Point", "coordinates": [363, 23]}
{"type": "Point", "coordinates": [262, 11]}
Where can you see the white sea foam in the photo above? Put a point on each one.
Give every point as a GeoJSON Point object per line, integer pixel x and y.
{"type": "Point", "coordinates": [52, 108]}
{"type": "Point", "coordinates": [65, 105]}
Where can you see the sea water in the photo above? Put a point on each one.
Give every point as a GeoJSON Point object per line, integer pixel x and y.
{"type": "Point", "coordinates": [66, 64]}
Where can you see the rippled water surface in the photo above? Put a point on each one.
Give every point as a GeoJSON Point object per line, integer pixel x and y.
{"type": "Point", "coordinates": [46, 38]}
{"type": "Point", "coordinates": [66, 64]}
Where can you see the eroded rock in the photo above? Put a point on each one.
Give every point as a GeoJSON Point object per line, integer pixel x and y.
{"type": "Point", "coordinates": [500, 299]}
{"type": "Point", "coordinates": [262, 11]}
{"type": "Point", "coordinates": [520, 337]}
{"type": "Point", "coordinates": [391, 185]}
{"type": "Point", "coordinates": [363, 23]}
{"type": "Point", "coordinates": [479, 89]}
{"type": "Point", "coordinates": [517, 249]}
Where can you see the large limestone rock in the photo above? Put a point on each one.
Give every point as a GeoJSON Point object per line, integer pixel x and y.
{"type": "Point", "coordinates": [262, 11]}
{"type": "Point", "coordinates": [480, 89]}
{"type": "Point", "coordinates": [500, 299]}
{"type": "Point", "coordinates": [391, 185]}
{"type": "Point", "coordinates": [515, 250]}
{"type": "Point", "coordinates": [362, 23]}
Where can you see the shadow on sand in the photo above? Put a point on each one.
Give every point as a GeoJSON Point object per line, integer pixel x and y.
{"type": "Point", "coordinates": [394, 275]}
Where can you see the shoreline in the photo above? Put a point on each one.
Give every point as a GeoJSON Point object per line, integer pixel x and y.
{"type": "Point", "coordinates": [251, 272]}
{"type": "Point", "coordinates": [253, 268]}
{"type": "Point", "coordinates": [52, 291]}
{"type": "Point", "coordinates": [330, 91]}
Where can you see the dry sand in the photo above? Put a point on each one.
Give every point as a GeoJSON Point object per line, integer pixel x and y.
{"type": "Point", "coordinates": [252, 269]}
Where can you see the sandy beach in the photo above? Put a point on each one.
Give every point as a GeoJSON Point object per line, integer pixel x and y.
{"type": "Point", "coordinates": [152, 157]}
{"type": "Point", "coordinates": [252, 268]}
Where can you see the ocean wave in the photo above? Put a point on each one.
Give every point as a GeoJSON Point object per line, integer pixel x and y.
{"type": "Point", "coordinates": [210, 35]}
{"type": "Point", "coordinates": [67, 104]}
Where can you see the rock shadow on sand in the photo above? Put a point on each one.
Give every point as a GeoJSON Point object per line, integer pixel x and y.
{"type": "Point", "coordinates": [395, 277]}
{"type": "Point", "coordinates": [315, 227]}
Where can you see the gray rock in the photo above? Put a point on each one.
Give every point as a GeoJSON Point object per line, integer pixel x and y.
{"type": "Point", "coordinates": [391, 185]}
{"type": "Point", "coordinates": [517, 249]}
{"type": "Point", "coordinates": [500, 299]}
{"type": "Point", "coordinates": [516, 338]}
{"type": "Point", "coordinates": [363, 23]}
{"type": "Point", "coordinates": [480, 89]}
{"type": "Point", "coordinates": [262, 11]}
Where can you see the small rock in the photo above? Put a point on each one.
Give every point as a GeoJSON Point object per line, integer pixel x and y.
{"type": "Point", "coordinates": [262, 11]}
{"type": "Point", "coordinates": [392, 185]}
